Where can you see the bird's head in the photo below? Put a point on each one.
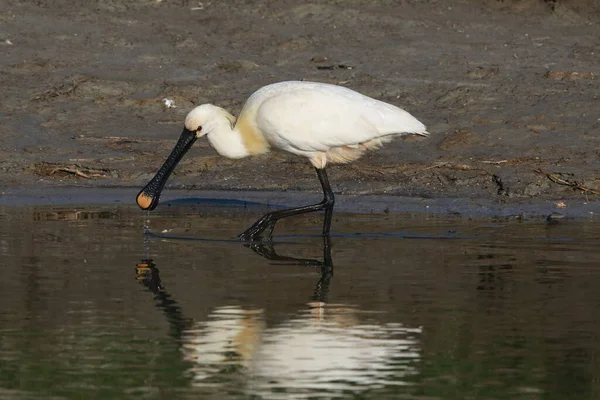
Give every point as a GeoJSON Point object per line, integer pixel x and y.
{"type": "Point", "coordinates": [199, 120]}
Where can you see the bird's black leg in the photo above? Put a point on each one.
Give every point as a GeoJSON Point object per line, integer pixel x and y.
{"type": "Point", "coordinates": [267, 222]}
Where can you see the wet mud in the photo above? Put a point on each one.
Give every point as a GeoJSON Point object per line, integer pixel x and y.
{"type": "Point", "coordinates": [508, 90]}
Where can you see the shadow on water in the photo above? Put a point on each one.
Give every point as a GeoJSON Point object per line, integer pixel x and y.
{"type": "Point", "coordinates": [419, 306]}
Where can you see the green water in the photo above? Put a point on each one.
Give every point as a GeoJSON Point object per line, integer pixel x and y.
{"type": "Point", "coordinates": [399, 306]}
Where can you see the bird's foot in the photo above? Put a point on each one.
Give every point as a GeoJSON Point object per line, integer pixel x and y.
{"type": "Point", "coordinates": [264, 250]}
{"type": "Point", "coordinates": [259, 231]}
{"type": "Point", "coordinates": [254, 236]}
{"type": "Point", "coordinates": [248, 236]}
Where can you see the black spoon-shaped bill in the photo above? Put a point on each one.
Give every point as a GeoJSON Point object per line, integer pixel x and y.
{"type": "Point", "coordinates": [148, 197]}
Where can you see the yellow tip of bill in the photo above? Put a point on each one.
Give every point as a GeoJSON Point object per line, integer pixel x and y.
{"type": "Point", "coordinates": [144, 201]}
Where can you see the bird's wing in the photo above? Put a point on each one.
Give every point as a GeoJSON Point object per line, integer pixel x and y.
{"type": "Point", "coordinates": [390, 119]}
{"type": "Point", "coordinates": [310, 120]}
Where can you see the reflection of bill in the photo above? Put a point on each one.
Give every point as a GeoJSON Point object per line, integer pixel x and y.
{"type": "Point", "coordinates": [147, 273]}
{"type": "Point", "coordinates": [320, 351]}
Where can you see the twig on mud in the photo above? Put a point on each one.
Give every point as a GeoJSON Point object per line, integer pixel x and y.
{"type": "Point", "coordinates": [445, 164]}
{"type": "Point", "coordinates": [62, 90]}
{"type": "Point", "coordinates": [569, 75]}
{"type": "Point", "coordinates": [77, 172]}
{"type": "Point", "coordinates": [46, 169]}
{"type": "Point", "coordinates": [441, 164]}
{"type": "Point", "coordinates": [575, 185]}
{"type": "Point", "coordinates": [494, 162]}
{"type": "Point", "coordinates": [121, 139]}
{"type": "Point", "coordinates": [332, 67]}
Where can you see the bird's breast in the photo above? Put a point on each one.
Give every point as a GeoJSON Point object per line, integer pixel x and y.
{"type": "Point", "coordinates": [253, 139]}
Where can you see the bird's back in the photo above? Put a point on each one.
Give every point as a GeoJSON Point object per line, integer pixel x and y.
{"type": "Point", "coordinates": [307, 117]}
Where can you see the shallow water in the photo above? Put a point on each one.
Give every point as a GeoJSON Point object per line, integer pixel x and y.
{"type": "Point", "coordinates": [394, 306]}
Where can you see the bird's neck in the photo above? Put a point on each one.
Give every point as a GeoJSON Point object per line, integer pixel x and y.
{"type": "Point", "coordinates": [225, 138]}
{"type": "Point", "coordinates": [235, 139]}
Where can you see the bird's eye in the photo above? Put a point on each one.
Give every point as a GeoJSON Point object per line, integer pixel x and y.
{"type": "Point", "coordinates": [199, 128]}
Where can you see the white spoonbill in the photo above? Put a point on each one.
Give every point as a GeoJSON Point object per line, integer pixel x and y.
{"type": "Point", "coordinates": [322, 122]}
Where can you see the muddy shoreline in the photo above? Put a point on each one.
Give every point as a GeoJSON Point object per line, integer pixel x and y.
{"type": "Point", "coordinates": [255, 203]}
{"type": "Point", "coordinates": [509, 91]}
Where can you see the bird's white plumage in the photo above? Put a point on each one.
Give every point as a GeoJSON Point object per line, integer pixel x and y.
{"type": "Point", "coordinates": [323, 122]}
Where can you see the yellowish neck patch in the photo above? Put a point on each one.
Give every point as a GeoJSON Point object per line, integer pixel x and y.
{"type": "Point", "coordinates": [253, 140]}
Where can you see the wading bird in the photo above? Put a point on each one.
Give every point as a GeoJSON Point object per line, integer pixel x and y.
{"type": "Point", "coordinates": [322, 122]}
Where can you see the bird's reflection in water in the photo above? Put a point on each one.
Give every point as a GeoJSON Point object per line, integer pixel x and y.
{"type": "Point", "coordinates": [323, 349]}
{"type": "Point", "coordinates": [147, 273]}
